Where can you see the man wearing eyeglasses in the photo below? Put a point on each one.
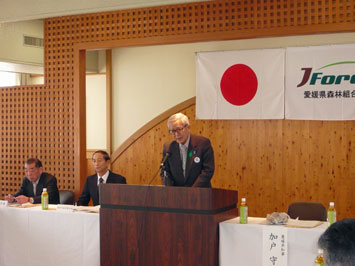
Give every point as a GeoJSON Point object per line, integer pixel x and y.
{"type": "Point", "coordinates": [101, 162]}
{"type": "Point", "coordinates": [188, 159]}
{"type": "Point", "coordinates": [33, 184]}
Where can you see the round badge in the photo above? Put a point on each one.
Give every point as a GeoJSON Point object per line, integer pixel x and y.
{"type": "Point", "coordinates": [197, 159]}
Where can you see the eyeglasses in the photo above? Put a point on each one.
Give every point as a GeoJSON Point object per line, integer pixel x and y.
{"type": "Point", "coordinates": [177, 129]}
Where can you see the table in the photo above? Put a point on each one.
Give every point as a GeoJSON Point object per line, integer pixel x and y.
{"type": "Point", "coordinates": [31, 236]}
{"type": "Point", "coordinates": [241, 244]}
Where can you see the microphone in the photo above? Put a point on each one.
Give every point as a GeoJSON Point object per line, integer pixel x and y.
{"type": "Point", "coordinates": [164, 175]}
{"type": "Point", "coordinates": [167, 154]}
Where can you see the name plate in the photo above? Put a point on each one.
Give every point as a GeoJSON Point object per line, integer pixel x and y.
{"type": "Point", "coordinates": [65, 208]}
{"type": "Point", "coordinates": [3, 203]}
{"type": "Point", "coordinates": [274, 246]}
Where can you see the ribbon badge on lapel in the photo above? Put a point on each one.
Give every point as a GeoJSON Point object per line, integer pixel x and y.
{"type": "Point", "coordinates": [192, 152]}
{"type": "Point", "coordinates": [196, 159]}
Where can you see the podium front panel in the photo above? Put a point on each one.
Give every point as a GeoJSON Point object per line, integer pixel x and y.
{"type": "Point", "coordinates": [156, 225]}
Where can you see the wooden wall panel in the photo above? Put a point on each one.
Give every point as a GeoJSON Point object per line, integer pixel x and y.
{"type": "Point", "coordinates": [269, 162]}
{"type": "Point", "coordinates": [35, 122]}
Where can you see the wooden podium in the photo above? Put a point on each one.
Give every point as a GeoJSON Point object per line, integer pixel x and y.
{"type": "Point", "coordinates": [162, 226]}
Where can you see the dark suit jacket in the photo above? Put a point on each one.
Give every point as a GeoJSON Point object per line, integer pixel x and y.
{"type": "Point", "coordinates": [199, 163]}
{"type": "Point", "coordinates": [91, 190]}
{"type": "Point", "coordinates": [45, 181]}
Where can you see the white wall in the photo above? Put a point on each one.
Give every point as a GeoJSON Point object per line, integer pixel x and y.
{"type": "Point", "coordinates": [37, 80]}
{"type": "Point", "coordinates": [91, 61]}
{"type": "Point", "coordinates": [96, 112]}
{"type": "Point", "coordinates": [15, 10]}
{"type": "Point", "coordinates": [149, 80]}
{"type": "Point", "coordinates": [11, 44]}
{"type": "Point", "coordinates": [96, 61]}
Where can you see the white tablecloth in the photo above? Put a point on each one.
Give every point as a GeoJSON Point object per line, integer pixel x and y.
{"type": "Point", "coordinates": [32, 237]}
{"type": "Point", "coordinates": [241, 244]}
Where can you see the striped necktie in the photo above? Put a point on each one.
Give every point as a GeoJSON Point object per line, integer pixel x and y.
{"type": "Point", "coordinates": [183, 153]}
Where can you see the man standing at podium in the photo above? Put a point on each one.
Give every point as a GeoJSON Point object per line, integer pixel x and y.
{"type": "Point", "coordinates": [101, 161]}
{"type": "Point", "coordinates": [188, 160]}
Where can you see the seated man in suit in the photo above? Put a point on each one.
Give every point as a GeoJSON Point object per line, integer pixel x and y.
{"type": "Point", "coordinates": [101, 161]}
{"type": "Point", "coordinates": [33, 184]}
{"type": "Point", "coordinates": [338, 243]}
{"type": "Point", "coordinates": [188, 160]}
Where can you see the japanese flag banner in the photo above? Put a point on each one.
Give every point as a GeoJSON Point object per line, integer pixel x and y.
{"type": "Point", "coordinates": [320, 82]}
{"type": "Point", "coordinates": [245, 84]}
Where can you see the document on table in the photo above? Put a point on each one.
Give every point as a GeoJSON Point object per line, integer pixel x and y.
{"type": "Point", "coordinates": [302, 224]}
{"type": "Point", "coordinates": [25, 205]}
{"type": "Point", "coordinates": [93, 209]}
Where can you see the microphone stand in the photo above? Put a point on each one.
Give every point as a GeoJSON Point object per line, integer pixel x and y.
{"type": "Point", "coordinates": [162, 165]}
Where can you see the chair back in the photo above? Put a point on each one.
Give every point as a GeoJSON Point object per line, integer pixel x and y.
{"type": "Point", "coordinates": [307, 210]}
{"type": "Point", "coordinates": [66, 197]}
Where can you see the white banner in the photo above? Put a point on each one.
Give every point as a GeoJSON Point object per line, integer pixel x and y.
{"type": "Point", "coordinates": [247, 84]}
{"type": "Point", "coordinates": [320, 83]}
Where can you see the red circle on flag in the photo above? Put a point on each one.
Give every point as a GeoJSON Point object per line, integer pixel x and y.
{"type": "Point", "coordinates": [239, 84]}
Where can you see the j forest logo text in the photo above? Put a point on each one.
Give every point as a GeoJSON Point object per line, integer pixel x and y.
{"type": "Point", "coordinates": [318, 78]}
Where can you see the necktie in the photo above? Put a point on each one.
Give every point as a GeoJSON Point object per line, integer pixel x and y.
{"type": "Point", "coordinates": [34, 188]}
{"type": "Point", "coordinates": [183, 152]}
{"type": "Point", "coordinates": [101, 180]}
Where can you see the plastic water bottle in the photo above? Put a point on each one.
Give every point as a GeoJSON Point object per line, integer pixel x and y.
{"type": "Point", "coordinates": [44, 199]}
{"type": "Point", "coordinates": [243, 209]}
{"type": "Point", "coordinates": [319, 261]}
{"type": "Point", "coordinates": [332, 214]}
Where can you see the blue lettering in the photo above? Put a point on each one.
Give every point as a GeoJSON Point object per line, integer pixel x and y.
{"type": "Point", "coordinates": [314, 78]}
{"type": "Point", "coordinates": [327, 80]}
{"type": "Point", "coordinates": [340, 77]}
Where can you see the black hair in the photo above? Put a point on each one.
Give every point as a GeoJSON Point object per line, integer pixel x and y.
{"type": "Point", "coordinates": [338, 243]}
{"type": "Point", "coordinates": [36, 161]}
{"type": "Point", "coordinates": [105, 154]}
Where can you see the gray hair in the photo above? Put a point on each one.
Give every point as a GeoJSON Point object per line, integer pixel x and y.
{"type": "Point", "coordinates": [338, 243]}
{"type": "Point", "coordinates": [179, 116]}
